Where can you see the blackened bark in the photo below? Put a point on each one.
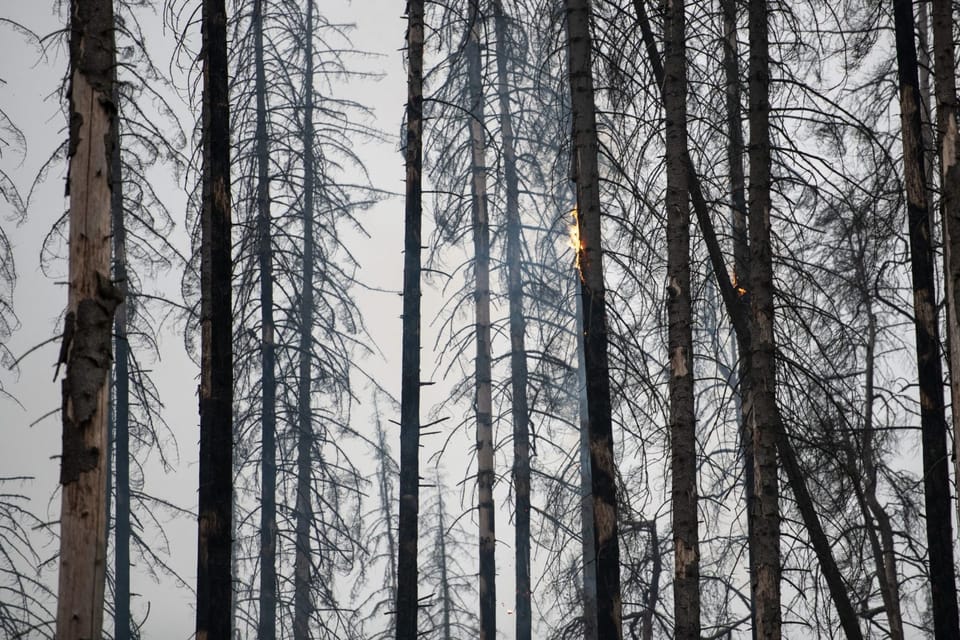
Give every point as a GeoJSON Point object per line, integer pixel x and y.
{"type": "Point", "coordinates": [586, 490]}
{"type": "Point", "coordinates": [121, 396]}
{"type": "Point", "coordinates": [267, 625]}
{"type": "Point", "coordinates": [410, 352]}
{"type": "Point", "coordinates": [303, 562]}
{"type": "Point", "coordinates": [482, 375]}
{"type": "Point", "coordinates": [215, 501]}
{"type": "Point", "coordinates": [91, 301]}
{"type": "Point", "coordinates": [932, 412]}
{"type": "Point", "coordinates": [683, 435]}
{"type": "Point", "coordinates": [518, 349]}
{"type": "Point", "coordinates": [602, 463]}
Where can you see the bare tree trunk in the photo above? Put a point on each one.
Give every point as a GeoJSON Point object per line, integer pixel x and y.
{"type": "Point", "coordinates": [602, 462]}
{"type": "Point", "coordinates": [214, 583]}
{"type": "Point", "coordinates": [87, 338]}
{"type": "Point", "coordinates": [483, 389]}
{"type": "Point", "coordinates": [586, 491]}
{"type": "Point", "coordinates": [683, 435]}
{"type": "Point", "coordinates": [518, 349]}
{"type": "Point", "coordinates": [932, 412]}
{"type": "Point", "coordinates": [303, 562]}
{"type": "Point", "coordinates": [407, 599]}
{"type": "Point", "coordinates": [267, 624]}
{"type": "Point", "coordinates": [948, 143]}
{"type": "Point", "coordinates": [121, 399]}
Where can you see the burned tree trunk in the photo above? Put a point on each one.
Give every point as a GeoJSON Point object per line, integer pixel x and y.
{"type": "Point", "coordinates": [91, 301]}
{"type": "Point", "coordinates": [933, 425]}
{"type": "Point", "coordinates": [602, 463]}
{"type": "Point", "coordinates": [483, 379]}
{"type": "Point", "coordinates": [586, 496]}
{"type": "Point", "coordinates": [683, 434]}
{"type": "Point", "coordinates": [518, 349]}
{"type": "Point", "coordinates": [267, 625]}
{"type": "Point", "coordinates": [410, 352]}
{"type": "Point", "coordinates": [215, 502]}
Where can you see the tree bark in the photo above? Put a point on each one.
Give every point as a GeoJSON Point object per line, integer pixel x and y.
{"type": "Point", "coordinates": [483, 377]}
{"type": "Point", "coordinates": [215, 501]}
{"type": "Point", "coordinates": [86, 348]}
{"type": "Point", "coordinates": [683, 435]}
{"type": "Point", "coordinates": [266, 626]}
{"type": "Point", "coordinates": [602, 462]}
{"type": "Point", "coordinates": [518, 349]}
{"type": "Point", "coordinates": [932, 412]}
{"type": "Point", "coordinates": [410, 353]}
{"type": "Point", "coordinates": [586, 491]}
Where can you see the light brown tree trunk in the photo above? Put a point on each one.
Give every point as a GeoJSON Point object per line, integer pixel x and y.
{"type": "Point", "coordinates": [603, 466]}
{"type": "Point", "coordinates": [683, 435]}
{"type": "Point", "coordinates": [87, 337]}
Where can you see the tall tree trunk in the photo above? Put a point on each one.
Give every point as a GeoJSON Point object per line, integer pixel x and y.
{"type": "Point", "coordinates": [215, 500]}
{"type": "Point", "coordinates": [602, 462]}
{"type": "Point", "coordinates": [518, 349]}
{"type": "Point", "coordinates": [932, 412]}
{"type": "Point", "coordinates": [683, 434]}
{"type": "Point", "coordinates": [737, 312]}
{"type": "Point", "coordinates": [948, 144]}
{"type": "Point", "coordinates": [765, 536]}
{"type": "Point", "coordinates": [121, 396]}
{"type": "Point", "coordinates": [267, 624]}
{"type": "Point", "coordinates": [483, 390]}
{"type": "Point", "coordinates": [87, 338]}
{"type": "Point", "coordinates": [410, 356]}
{"type": "Point", "coordinates": [302, 587]}
{"type": "Point", "coordinates": [586, 490]}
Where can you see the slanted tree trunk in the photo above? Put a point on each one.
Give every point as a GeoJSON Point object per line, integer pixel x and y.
{"type": "Point", "coordinates": [91, 301]}
{"type": "Point", "coordinates": [586, 494]}
{"type": "Point", "coordinates": [518, 350]}
{"type": "Point", "coordinates": [267, 624]}
{"type": "Point", "coordinates": [765, 534]}
{"type": "Point", "coordinates": [948, 144]}
{"type": "Point", "coordinates": [302, 587]}
{"type": "Point", "coordinates": [482, 381]}
{"type": "Point", "coordinates": [932, 412]}
{"type": "Point", "coordinates": [410, 352]}
{"type": "Point", "coordinates": [602, 463]}
{"type": "Point", "coordinates": [215, 500]}
{"type": "Point", "coordinates": [683, 435]}
{"type": "Point", "coordinates": [121, 396]}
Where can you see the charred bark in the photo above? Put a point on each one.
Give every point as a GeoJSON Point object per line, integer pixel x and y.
{"type": "Point", "coordinates": [602, 462]}
{"type": "Point", "coordinates": [410, 351]}
{"type": "Point", "coordinates": [91, 302]}
{"type": "Point", "coordinates": [933, 425]}
{"type": "Point", "coordinates": [214, 583]}
{"type": "Point", "coordinates": [586, 491]}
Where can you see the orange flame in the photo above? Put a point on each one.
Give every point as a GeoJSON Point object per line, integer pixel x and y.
{"type": "Point", "coordinates": [736, 284]}
{"type": "Point", "coordinates": [575, 242]}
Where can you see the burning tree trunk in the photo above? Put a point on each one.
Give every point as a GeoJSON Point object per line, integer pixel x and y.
{"type": "Point", "coordinates": [302, 599]}
{"type": "Point", "coordinates": [586, 496]}
{"type": "Point", "coordinates": [484, 392]}
{"type": "Point", "coordinates": [410, 356]}
{"type": "Point", "coordinates": [267, 626]}
{"type": "Point", "coordinates": [214, 584]}
{"type": "Point", "coordinates": [518, 349]}
{"type": "Point", "coordinates": [683, 434]}
{"type": "Point", "coordinates": [602, 463]}
{"type": "Point", "coordinates": [932, 413]}
{"type": "Point", "coordinates": [92, 299]}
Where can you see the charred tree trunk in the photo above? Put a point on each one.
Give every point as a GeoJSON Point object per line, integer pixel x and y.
{"type": "Point", "coordinates": [410, 356]}
{"type": "Point", "coordinates": [683, 434]}
{"type": "Point", "coordinates": [121, 396]}
{"type": "Point", "coordinates": [932, 412]}
{"type": "Point", "coordinates": [91, 302]}
{"type": "Point", "coordinates": [948, 143]}
{"type": "Point", "coordinates": [303, 562]}
{"type": "Point", "coordinates": [602, 462]}
{"type": "Point", "coordinates": [586, 491]}
{"type": "Point", "coordinates": [483, 381]}
{"type": "Point", "coordinates": [267, 625]}
{"type": "Point", "coordinates": [765, 534]}
{"type": "Point", "coordinates": [214, 584]}
{"type": "Point", "coordinates": [518, 348]}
